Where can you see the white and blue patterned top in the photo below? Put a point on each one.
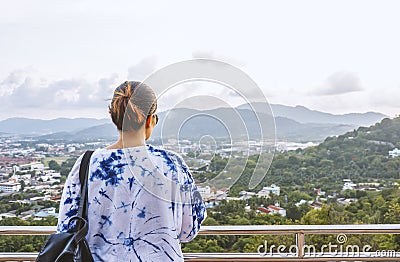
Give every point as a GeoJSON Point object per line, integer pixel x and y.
{"type": "Point", "coordinates": [142, 200]}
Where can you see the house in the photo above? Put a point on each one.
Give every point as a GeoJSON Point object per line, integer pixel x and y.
{"type": "Point", "coordinates": [6, 215]}
{"type": "Point", "coordinates": [56, 198]}
{"type": "Point", "coordinates": [10, 187]}
{"type": "Point", "coordinates": [316, 205]}
{"type": "Point", "coordinates": [205, 192]}
{"type": "Point", "coordinates": [233, 199]}
{"type": "Point", "coordinates": [394, 153]}
{"type": "Point", "coordinates": [32, 199]}
{"type": "Point", "coordinates": [25, 177]}
{"type": "Point", "coordinates": [211, 204]}
{"type": "Point", "coordinates": [51, 177]}
{"type": "Point", "coordinates": [348, 185]}
{"type": "Point", "coordinates": [212, 194]}
{"type": "Point", "coordinates": [27, 214]}
{"type": "Point", "coordinates": [244, 195]}
{"type": "Point", "coordinates": [301, 202]}
{"type": "Point", "coordinates": [276, 210]}
{"type": "Point", "coordinates": [263, 210]}
{"type": "Point", "coordinates": [276, 190]}
{"type": "Point", "coordinates": [33, 166]}
{"type": "Point", "coordinates": [46, 213]}
{"type": "Point", "coordinates": [346, 201]}
{"type": "Point", "coordinates": [320, 192]}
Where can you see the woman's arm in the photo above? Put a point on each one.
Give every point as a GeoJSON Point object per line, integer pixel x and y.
{"type": "Point", "coordinates": [193, 214]}
{"type": "Point", "coordinates": [192, 205]}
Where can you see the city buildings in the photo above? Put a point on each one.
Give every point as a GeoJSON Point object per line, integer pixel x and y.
{"type": "Point", "coordinates": [9, 187]}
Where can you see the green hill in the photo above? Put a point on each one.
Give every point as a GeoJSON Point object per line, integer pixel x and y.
{"type": "Point", "coordinates": [360, 155]}
{"type": "Point", "coordinates": [363, 142]}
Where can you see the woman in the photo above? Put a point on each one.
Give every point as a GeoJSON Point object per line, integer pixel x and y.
{"type": "Point", "coordinates": [142, 200]}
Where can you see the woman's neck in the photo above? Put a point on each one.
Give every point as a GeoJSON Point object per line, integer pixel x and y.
{"type": "Point", "coordinates": [128, 140]}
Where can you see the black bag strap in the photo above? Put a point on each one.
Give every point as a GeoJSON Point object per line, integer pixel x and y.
{"type": "Point", "coordinates": [80, 231]}
{"type": "Point", "coordinates": [83, 177]}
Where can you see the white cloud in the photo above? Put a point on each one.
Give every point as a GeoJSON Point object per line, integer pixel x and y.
{"type": "Point", "coordinates": [24, 91]}
{"type": "Point", "coordinates": [201, 95]}
{"type": "Point", "coordinates": [285, 50]}
{"type": "Point", "coordinates": [217, 56]}
{"type": "Point", "coordinates": [341, 82]}
{"type": "Point", "coordinates": [142, 69]}
{"type": "Point", "coordinates": [13, 80]}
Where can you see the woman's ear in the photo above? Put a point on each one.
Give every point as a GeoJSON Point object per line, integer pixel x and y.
{"type": "Point", "coordinates": [148, 121]}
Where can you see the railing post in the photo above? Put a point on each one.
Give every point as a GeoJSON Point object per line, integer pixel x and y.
{"type": "Point", "coordinates": [300, 244]}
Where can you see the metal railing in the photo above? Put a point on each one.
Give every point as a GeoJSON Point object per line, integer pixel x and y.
{"type": "Point", "coordinates": [303, 250]}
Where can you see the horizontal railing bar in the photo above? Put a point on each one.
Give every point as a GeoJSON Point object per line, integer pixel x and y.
{"type": "Point", "coordinates": [236, 257]}
{"type": "Point", "coordinates": [283, 257]}
{"type": "Point", "coordinates": [27, 230]}
{"type": "Point", "coordinates": [305, 229]}
{"type": "Point", "coordinates": [243, 230]}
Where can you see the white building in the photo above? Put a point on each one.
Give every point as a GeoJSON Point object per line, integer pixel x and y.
{"type": "Point", "coordinates": [10, 187]}
{"type": "Point", "coordinates": [244, 195]}
{"type": "Point", "coordinates": [394, 153]}
{"type": "Point", "coordinates": [51, 177]}
{"type": "Point", "coordinates": [349, 186]}
{"type": "Point", "coordinates": [34, 166]}
{"type": "Point", "coordinates": [46, 213]}
{"type": "Point", "coordinates": [6, 215]}
{"type": "Point", "coordinates": [25, 177]}
{"type": "Point", "coordinates": [277, 210]}
{"type": "Point", "coordinates": [205, 192]}
{"type": "Point", "coordinates": [276, 190]}
{"type": "Point", "coordinates": [37, 166]}
{"type": "Point", "coordinates": [301, 202]}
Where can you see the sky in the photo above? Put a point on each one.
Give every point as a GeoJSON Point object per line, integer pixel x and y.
{"type": "Point", "coordinates": [65, 58]}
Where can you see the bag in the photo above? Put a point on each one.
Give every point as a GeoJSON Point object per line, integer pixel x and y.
{"type": "Point", "coordinates": [71, 246]}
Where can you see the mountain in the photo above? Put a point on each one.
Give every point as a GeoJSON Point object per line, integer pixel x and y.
{"type": "Point", "coordinates": [218, 123]}
{"type": "Point", "coordinates": [291, 123]}
{"type": "Point", "coordinates": [304, 115]}
{"type": "Point", "coordinates": [294, 131]}
{"type": "Point", "coordinates": [240, 123]}
{"type": "Point", "coordinates": [103, 131]}
{"type": "Point", "coordinates": [30, 126]}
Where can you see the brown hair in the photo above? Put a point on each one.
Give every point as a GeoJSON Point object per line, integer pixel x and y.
{"type": "Point", "coordinates": [132, 102]}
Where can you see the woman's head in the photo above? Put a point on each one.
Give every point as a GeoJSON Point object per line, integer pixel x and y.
{"type": "Point", "coordinates": [131, 106]}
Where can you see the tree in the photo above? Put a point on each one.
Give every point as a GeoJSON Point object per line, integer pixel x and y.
{"type": "Point", "coordinates": [392, 216]}
{"type": "Point", "coordinates": [22, 185]}
{"type": "Point", "coordinates": [54, 165]}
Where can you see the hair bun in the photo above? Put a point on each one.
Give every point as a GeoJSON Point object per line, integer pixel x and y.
{"type": "Point", "coordinates": [132, 102]}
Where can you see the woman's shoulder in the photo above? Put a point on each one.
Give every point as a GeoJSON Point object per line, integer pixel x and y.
{"type": "Point", "coordinates": [166, 154]}
{"type": "Point", "coordinates": [170, 157]}
{"type": "Point", "coordinates": [128, 152]}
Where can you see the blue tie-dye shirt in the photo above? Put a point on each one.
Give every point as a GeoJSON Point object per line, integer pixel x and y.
{"type": "Point", "coordinates": [142, 200]}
